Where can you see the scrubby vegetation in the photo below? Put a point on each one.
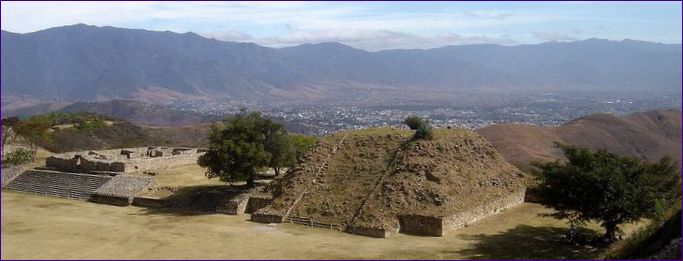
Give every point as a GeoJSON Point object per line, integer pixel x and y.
{"type": "Point", "coordinates": [61, 132]}
{"type": "Point", "coordinates": [118, 135]}
{"type": "Point", "coordinates": [19, 156]}
{"type": "Point", "coordinates": [421, 126]}
{"type": "Point", "coordinates": [414, 122]}
{"type": "Point", "coordinates": [79, 120]}
{"type": "Point", "coordinates": [607, 188]}
{"type": "Point", "coordinates": [302, 143]}
{"type": "Point", "coordinates": [649, 240]}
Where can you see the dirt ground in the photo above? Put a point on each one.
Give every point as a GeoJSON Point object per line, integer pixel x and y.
{"type": "Point", "coordinates": [36, 227]}
{"type": "Point", "coordinates": [186, 175]}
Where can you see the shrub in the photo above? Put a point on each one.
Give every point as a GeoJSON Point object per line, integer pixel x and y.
{"type": "Point", "coordinates": [90, 124]}
{"type": "Point", "coordinates": [414, 122]}
{"type": "Point", "coordinates": [423, 132]}
{"type": "Point", "coordinates": [19, 156]}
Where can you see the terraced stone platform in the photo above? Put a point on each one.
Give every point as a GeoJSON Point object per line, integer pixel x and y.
{"type": "Point", "coordinates": [58, 184]}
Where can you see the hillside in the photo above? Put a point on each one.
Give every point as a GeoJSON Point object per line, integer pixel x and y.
{"type": "Point", "coordinates": [89, 131]}
{"type": "Point", "coordinates": [647, 135]}
{"type": "Point", "coordinates": [81, 62]}
{"type": "Point", "coordinates": [373, 179]}
{"type": "Point", "coordinates": [141, 113]}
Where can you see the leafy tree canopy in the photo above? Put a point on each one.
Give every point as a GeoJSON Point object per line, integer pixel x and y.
{"type": "Point", "coordinates": [607, 188]}
{"type": "Point", "coordinates": [246, 143]}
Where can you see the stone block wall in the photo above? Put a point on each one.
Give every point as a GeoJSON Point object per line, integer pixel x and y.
{"type": "Point", "coordinates": [369, 231]}
{"type": "Point", "coordinates": [232, 205]}
{"type": "Point", "coordinates": [123, 160]}
{"type": "Point", "coordinates": [255, 203]}
{"type": "Point", "coordinates": [8, 174]}
{"type": "Point", "coordinates": [125, 185]}
{"type": "Point", "coordinates": [111, 200]}
{"type": "Point", "coordinates": [266, 218]}
{"type": "Point", "coordinates": [150, 202]}
{"type": "Point", "coordinates": [477, 213]}
{"type": "Point", "coordinates": [421, 225]}
{"type": "Point", "coordinates": [144, 164]}
{"type": "Point", "coordinates": [438, 226]}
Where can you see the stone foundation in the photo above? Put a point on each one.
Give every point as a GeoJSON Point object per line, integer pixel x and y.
{"type": "Point", "coordinates": [266, 218]}
{"type": "Point", "coordinates": [255, 203]}
{"type": "Point", "coordinates": [232, 206]}
{"type": "Point", "coordinates": [127, 186]}
{"type": "Point", "coordinates": [421, 225]}
{"type": "Point", "coordinates": [477, 213]}
{"type": "Point", "coordinates": [438, 226]}
{"type": "Point", "coordinates": [8, 174]}
{"type": "Point", "coordinates": [111, 200]}
{"type": "Point", "coordinates": [123, 160]}
{"type": "Point", "coordinates": [150, 202]}
{"type": "Point", "coordinates": [369, 231]}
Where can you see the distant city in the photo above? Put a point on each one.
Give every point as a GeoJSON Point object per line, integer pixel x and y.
{"type": "Point", "coordinates": [470, 112]}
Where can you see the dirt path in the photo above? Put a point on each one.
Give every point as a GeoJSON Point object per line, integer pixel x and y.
{"type": "Point", "coordinates": [35, 227]}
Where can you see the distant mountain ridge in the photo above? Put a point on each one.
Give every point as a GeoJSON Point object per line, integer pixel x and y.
{"type": "Point", "coordinates": [85, 63]}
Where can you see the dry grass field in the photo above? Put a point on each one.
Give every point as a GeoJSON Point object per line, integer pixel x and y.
{"type": "Point", "coordinates": [36, 227]}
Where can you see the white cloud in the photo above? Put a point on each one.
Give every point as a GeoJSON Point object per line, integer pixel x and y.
{"type": "Point", "coordinates": [364, 39]}
{"type": "Point", "coordinates": [365, 25]}
{"type": "Point", "coordinates": [549, 36]}
{"type": "Point", "coordinates": [32, 16]}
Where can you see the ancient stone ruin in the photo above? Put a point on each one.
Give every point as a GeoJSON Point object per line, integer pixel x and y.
{"type": "Point", "coordinates": [106, 176]}
{"type": "Point", "coordinates": [378, 182]}
{"type": "Point", "coordinates": [123, 160]}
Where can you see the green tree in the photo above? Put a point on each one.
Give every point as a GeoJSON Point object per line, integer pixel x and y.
{"type": "Point", "coordinates": [414, 122]}
{"type": "Point", "coordinates": [607, 188]}
{"type": "Point", "coordinates": [35, 131]}
{"type": "Point", "coordinates": [247, 142]}
{"type": "Point", "coordinates": [282, 151]}
{"type": "Point", "coordinates": [302, 144]}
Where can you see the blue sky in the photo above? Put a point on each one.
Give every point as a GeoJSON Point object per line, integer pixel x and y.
{"type": "Point", "coordinates": [367, 25]}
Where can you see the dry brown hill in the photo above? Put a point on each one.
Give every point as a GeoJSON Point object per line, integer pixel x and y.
{"type": "Point", "coordinates": [648, 135]}
{"type": "Point", "coordinates": [371, 180]}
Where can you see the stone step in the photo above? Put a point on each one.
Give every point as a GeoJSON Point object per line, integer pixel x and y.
{"type": "Point", "coordinates": [57, 184]}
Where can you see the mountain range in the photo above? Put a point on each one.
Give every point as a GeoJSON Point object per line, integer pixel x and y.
{"type": "Point", "coordinates": [85, 63]}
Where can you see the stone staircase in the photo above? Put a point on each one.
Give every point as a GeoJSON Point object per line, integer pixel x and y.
{"type": "Point", "coordinates": [58, 184]}
{"type": "Point", "coordinates": [288, 217]}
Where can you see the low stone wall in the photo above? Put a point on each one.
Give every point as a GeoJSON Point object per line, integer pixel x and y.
{"type": "Point", "coordinates": [126, 186]}
{"type": "Point", "coordinates": [232, 206]}
{"type": "Point", "coordinates": [144, 164]}
{"type": "Point", "coordinates": [255, 203]}
{"type": "Point", "coordinates": [421, 225]}
{"type": "Point", "coordinates": [369, 231]}
{"type": "Point", "coordinates": [477, 213]}
{"type": "Point", "coordinates": [59, 163]}
{"type": "Point", "coordinates": [150, 202]}
{"type": "Point", "coordinates": [111, 200]}
{"type": "Point", "coordinates": [9, 174]}
{"type": "Point", "coordinates": [438, 226]}
{"type": "Point", "coordinates": [123, 160]}
{"type": "Point", "coordinates": [266, 218]}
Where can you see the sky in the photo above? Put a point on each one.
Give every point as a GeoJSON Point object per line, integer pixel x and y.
{"type": "Point", "coordinates": [366, 25]}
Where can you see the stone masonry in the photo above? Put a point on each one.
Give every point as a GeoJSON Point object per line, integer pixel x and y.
{"type": "Point", "coordinates": [123, 160]}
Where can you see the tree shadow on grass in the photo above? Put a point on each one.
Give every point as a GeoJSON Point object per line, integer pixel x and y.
{"type": "Point", "coordinates": [196, 200]}
{"type": "Point", "coordinates": [527, 242]}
